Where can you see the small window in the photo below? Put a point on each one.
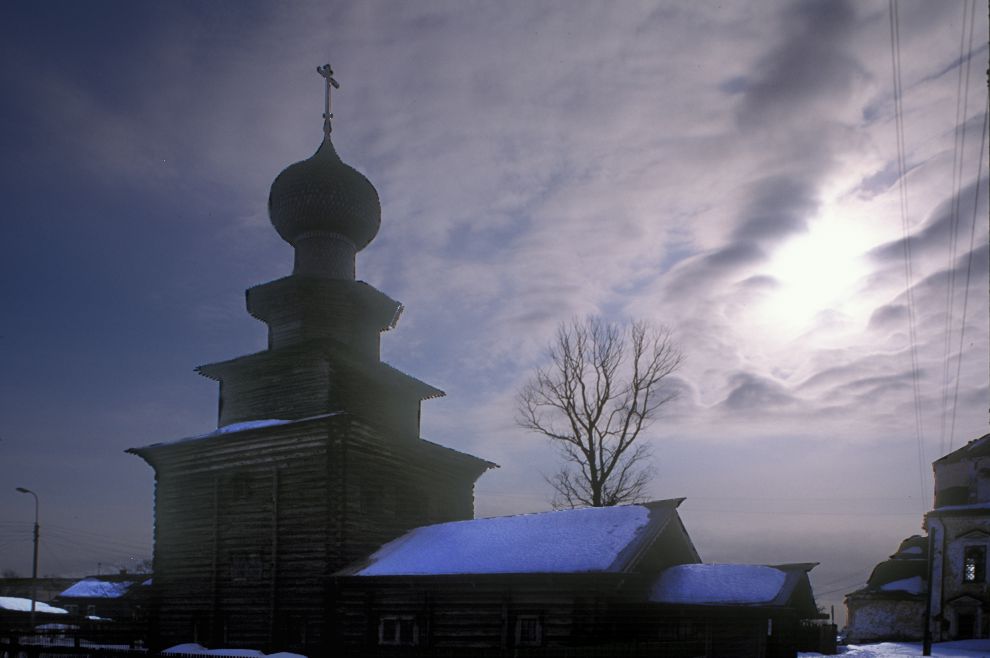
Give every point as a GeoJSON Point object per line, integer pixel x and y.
{"type": "Point", "coordinates": [975, 564]}
{"type": "Point", "coordinates": [91, 610]}
{"type": "Point", "coordinates": [72, 609]}
{"type": "Point", "coordinates": [398, 630]}
{"type": "Point", "coordinates": [529, 631]}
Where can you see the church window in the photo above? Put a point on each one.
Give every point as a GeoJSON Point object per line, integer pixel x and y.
{"type": "Point", "coordinates": [974, 564]}
{"type": "Point", "coordinates": [398, 630]}
{"type": "Point", "coordinates": [529, 631]}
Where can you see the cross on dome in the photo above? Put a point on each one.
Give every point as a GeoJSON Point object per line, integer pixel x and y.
{"type": "Point", "coordinates": [327, 210]}
{"type": "Point", "coordinates": [327, 74]}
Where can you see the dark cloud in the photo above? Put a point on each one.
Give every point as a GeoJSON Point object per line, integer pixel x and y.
{"type": "Point", "coordinates": [754, 393]}
{"type": "Point", "coordinates": [707, 269]}
{"type": "Point", "coordinates": [759, 282]}
{"type": "Point", "coordinates": [871, 387]}
{"type": "Point", "coordinates": [929, 293]}
{"type": "Point", "coordinates": [778, 207]}
{"type": "Point", "coordinates": [831, 375]}
{"type": "Point", "coordinates": [878, 182]}
{"type": "Point", "coordinates": [810, 64]}
{"type": "Point", "coordinates": [934, 236]}
{"type": "Point", "coordinates": [889, 316]}
{"type": "Point", "coordinates": [732, 256]}
{"type": "Point", "coordinates": [736, 85]}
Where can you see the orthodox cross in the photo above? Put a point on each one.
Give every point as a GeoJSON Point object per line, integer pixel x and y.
{"type": "Point", "coordinates": [327, 73]}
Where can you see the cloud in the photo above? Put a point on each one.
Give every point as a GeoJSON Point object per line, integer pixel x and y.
{"type": "Point", "coordinates": [754, 394]}
{"type": "Point", "coordinates": [952, 217]}
{"type": "Point", "coordinates": [809, 69]}
{"type": "Point", "coordinates": [779, 206]}
{"type": "Point", "coordinates": [889, 316]}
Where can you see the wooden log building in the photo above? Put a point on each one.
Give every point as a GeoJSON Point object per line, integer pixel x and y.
{"type": "Point", "coordinates": [621, 581]}
{"type": "Point", "coordinates": [263, 526]}
{"type": "Point", "coordinates": [317, 459]}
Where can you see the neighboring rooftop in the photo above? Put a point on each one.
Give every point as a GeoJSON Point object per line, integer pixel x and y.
{"type": "Point", "coordinates": [96, 588]}
{"type": "Point", "coordinates": [718, 583]}
{"type": "Point", "coordinates": [18, 604]}
{"type": "Point", "coordinates": [753, 585]}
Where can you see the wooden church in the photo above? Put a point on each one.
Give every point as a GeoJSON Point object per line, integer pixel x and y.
{"type": "Point", "coordinates": [317, 459]}
{"type": "Point", "coordinates": [316, 519]}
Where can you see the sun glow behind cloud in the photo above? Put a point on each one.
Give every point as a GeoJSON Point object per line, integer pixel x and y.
{"type": "Point", "coordinates": [816, 271]}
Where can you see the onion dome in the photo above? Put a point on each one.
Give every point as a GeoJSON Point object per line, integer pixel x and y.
{"type": "Point", "coordinates": [327, 210]}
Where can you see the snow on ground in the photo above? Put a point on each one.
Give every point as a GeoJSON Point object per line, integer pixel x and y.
{"type": "Point", "coordinates": [569, 541]}
{"type": "Point", "coordinates": [24, 605]}
{"type": "Point", "coordinates": [718, 584]}
{"type": "Point", "coordinates": [960, 649]}
{"type": "Point", "coordinates": [199, 650]}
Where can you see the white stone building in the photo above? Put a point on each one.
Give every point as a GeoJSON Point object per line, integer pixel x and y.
{"type": "Point", "coordinates": [892, 604]}
{"type": "Point", "coordinates": [896, 599]}
{"type": "Point", "coordinates": [959, 529]}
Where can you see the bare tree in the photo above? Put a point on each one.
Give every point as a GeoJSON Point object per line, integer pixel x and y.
{"type": "Point", "coordinates": [602, 388]}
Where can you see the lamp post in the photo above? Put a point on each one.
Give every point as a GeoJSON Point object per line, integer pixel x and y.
{"type": "Point", "coordinates": [34, 564]}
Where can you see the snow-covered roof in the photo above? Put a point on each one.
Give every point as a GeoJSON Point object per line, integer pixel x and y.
{"type": "Point", "coordinates": [597, 539]}
{"type": "Point", "coordinates": [913, 585]}
{"type": "Point", "coordinates": [957, 508]}
{"type": "Point", "coordinates": [234, 428]}
{"type": "Point", "coordinates": [701, 584]}
{"type": "Point", "coordinates": [199, 650]}
{"type": "Point", "coordinates": [95, 588]}
{"type": "Point", "coordinates": [19, 604]}
{"type": "Point", "coordinates": [738, 584]}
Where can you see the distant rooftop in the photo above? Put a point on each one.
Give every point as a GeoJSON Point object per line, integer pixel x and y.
{"type": "Point", "coordinates": [95, 588]}
{"type": "Point", "coordinates": [19, 604]}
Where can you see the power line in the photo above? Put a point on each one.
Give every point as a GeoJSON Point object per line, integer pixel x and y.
{"type": "Point", "coordinates": [895, 55]}
{"type": "Point", "coordinates": [969, 264]}
{"type": "Point", "coordinates": [856, 585]}
{"type": "Point", "coordinates": [958, 158]}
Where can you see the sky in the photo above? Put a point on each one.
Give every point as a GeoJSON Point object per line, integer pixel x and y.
{"type": "Point", "coordinates": [730, 170]}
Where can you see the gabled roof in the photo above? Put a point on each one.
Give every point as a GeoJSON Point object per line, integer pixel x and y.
{"type": "Point", "coordinates": [976, 448]}
{"type": "Point", "coordinates": [97, 588]}
{"type": "Point", "coordinates": [732, 584]}
{"type": "Point", "coordinates": [595, 540]}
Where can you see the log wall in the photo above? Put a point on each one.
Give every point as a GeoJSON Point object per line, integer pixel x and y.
{"type": "Point", "coordinates": [249, 526]}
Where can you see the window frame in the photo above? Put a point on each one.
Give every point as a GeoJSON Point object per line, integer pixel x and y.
{"type": "Point", "coordinates": [537, 622]}
{"type": "Point", "coordinates": [975, 555]}
{"type": "Point", "coordinates": [395, 639]}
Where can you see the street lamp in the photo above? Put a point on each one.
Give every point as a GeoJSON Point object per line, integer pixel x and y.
{"type": "Point", "coordinates": [34, 565]}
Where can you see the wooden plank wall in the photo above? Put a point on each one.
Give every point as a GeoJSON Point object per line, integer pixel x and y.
{"type": "Point", "coordinates": [478, 613]}
{"type": "Point", "coordinates": [251, 525]}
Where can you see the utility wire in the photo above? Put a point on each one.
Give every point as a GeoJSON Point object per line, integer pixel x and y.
{"type": "Point", "coordinates": [895, 55]}
{"type": "Point", "coordinates": [958, 158]}
{"type": "Point", "coordinates": [839, 589]}
{"type": "Point", "coordinates": [969, 265]}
